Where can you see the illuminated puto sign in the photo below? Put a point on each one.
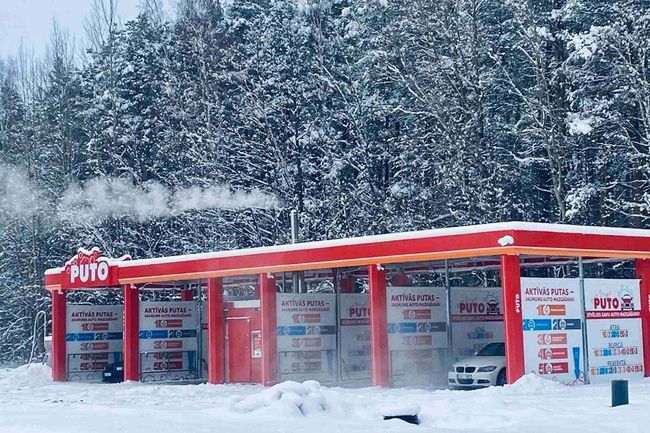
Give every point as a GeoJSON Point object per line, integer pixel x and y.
{"type": "Point", "coordinates": [89, 269]}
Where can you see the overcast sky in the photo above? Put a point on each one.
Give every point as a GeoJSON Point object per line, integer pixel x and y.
{"type": "Point", "coordinates": [30, 21]}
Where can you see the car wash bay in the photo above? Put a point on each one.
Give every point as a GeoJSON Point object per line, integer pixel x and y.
{"type": "Point", "coordinates": [383, 310]}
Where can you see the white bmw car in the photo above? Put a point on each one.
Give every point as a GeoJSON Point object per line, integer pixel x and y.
{"type": "Point", "coordinates": [486, 368]}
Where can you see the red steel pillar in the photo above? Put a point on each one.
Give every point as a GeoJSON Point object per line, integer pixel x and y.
{"type": "Point", "coordinates": [643, 273]}
{"type": "Point", "coordinates": [512, 317]}
{"type": "Point", "coordinates": [131, 332]}
{"type": "Point", "coordinates": [216, 346]}
{"type": "Point", "coordinates": [269, 329]}
{"type": "Point", "coordinates": [58, 336]}
{"type": "Point", "coordinates": [378, 326]}
{"type": "Point", "coordinates": [187, 295]}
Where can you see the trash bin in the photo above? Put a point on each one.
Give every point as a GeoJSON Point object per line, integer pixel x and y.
{"type": "Point", "coordinates": [620, 395]}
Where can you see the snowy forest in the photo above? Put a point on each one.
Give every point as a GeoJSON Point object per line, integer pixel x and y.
{"type": "Point", "coordinates": [201, 130]}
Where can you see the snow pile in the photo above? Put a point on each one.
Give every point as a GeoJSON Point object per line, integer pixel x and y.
{"type": "Point", "coordinates": [290, 398]}
{"type": "Point", "coordinates": [398, 409]}
{"type": "Point", "coordinates": [31, 402]}
{"type": "Point", "coordinates": [532, 384]}
{"type": "Point", "coordinates": [35, 374]}
{"type": "Point", "coordinates": [506, 240]}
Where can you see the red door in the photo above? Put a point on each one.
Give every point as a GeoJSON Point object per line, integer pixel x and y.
{"type": "Point", "coordinates": [238, 332]}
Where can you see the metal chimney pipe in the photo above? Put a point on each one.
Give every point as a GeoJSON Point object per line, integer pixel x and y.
{"type": "Point", "coordinates": [294, 226]}
{"type": "Point", "coordinates": [298, 281]}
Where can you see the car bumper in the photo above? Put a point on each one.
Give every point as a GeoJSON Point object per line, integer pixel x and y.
{"type": "Point", "coordinates": [112, 376]}
{"type": "Point", "coordinates": [471, 380]}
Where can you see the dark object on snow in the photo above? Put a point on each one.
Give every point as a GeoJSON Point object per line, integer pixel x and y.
{"type": "Point", "coordinates": [114, 373]}
{"type": "Point", "coordinates": [411, 419]}
{"type": "Point", "coordinates": [620, 395]}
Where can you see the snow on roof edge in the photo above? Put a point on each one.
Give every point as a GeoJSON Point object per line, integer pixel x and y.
{"type": "Point", "coordinates": [53, 271]}
{"type": "Point", "coordinates": [478, 228]}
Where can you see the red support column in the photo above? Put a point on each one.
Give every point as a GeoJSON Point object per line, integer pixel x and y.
{"type": "Point", "coordinates": [643, 273]}
{"type": "Point", "coordinates": [58, 336]}
{"type": "Point", "coordinates": [269, 330]}
{"type": "Point", "coordinates": [378, 326]}
{"type": "Point", "coordinates": [131, 332]}
{"type": "Point", "coordinates": [512, 317]}
{"type": "Point", "coordinates": [216, 346]}
{"type": "Point", "coordinates": [187, 295]}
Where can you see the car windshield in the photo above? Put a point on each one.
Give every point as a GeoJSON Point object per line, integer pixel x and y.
{"type": "Point", "coordinates": [493, 349]}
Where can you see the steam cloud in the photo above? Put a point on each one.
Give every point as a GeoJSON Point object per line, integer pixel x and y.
{"type": "Point", "coordinates": [103, 198]}
{"type": "Point", "coordinates": [17, 194]}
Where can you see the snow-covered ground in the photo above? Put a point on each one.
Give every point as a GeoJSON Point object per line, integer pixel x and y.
{"type": "Point", "coordinates": [30, 402]}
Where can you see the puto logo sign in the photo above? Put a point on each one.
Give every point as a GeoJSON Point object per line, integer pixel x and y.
{"type": "Point", "coordinates": [606, 302]}
{"type": "Point", "coordinates": [89, 269]}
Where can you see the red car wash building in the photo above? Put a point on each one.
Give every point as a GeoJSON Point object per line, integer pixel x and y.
{"type": "Point", "coordinates": [245, 338]}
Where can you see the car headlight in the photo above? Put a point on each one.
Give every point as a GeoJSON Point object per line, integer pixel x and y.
{"type": "Point", "coordinates": [487, 369]}
{"type": "Point", "coordinates": [452, 368]}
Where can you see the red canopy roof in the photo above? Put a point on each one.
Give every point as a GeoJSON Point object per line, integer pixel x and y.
{"type": "Point", "coordinates": [511, 238]}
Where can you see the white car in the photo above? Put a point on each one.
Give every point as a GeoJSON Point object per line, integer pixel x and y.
{"type": "Point", "coordinates": [486, 368]}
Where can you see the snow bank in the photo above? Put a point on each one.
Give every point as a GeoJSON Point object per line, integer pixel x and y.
{"type": "Point", "coordinates": [289, 398]}
{"type": "Point", "coordinates": [35, 374]}
{"type": "Point", "coordinates": [533, 384]}
{"type": "Point", "coordinates": [506, 240]}
{"type": "Point", "coordinates": [30, 402]}
{"type": "Point", "coordinates": [397, 409]}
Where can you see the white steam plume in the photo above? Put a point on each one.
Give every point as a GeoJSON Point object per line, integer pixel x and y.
{"type": "Point", "coordinates": [18, 196]}
{"type": "Point", "coordinates": [104, 198]}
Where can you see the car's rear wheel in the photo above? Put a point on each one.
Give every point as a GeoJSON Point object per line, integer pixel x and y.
{"type": "Point", "coordinates": [501, 378]}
